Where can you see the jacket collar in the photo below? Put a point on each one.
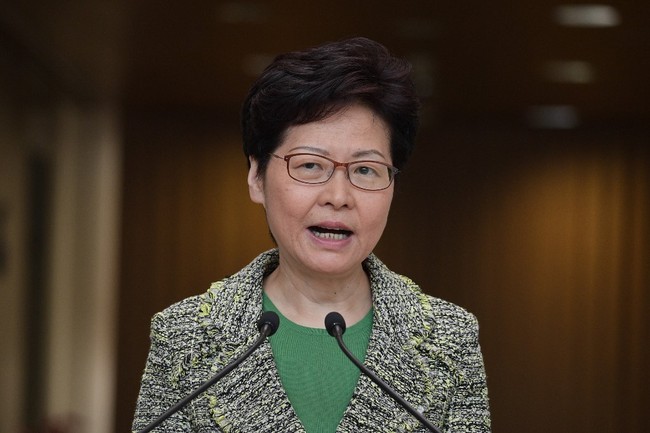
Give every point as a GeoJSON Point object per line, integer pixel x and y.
{"type": "Point", "coordinates": [252, 394]}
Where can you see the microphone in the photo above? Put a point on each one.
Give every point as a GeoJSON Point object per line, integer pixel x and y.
{"type": "Point", "coordinates": [267, 324]}
{"type": "Point", "coordinates": [335, 325]}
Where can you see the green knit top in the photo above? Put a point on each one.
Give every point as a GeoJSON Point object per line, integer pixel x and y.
{"type": "Point", "coordinates": [316, 375]}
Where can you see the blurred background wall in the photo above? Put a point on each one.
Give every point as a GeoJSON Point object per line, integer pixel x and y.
{"type": "Point", "coordinates": [122, 190]}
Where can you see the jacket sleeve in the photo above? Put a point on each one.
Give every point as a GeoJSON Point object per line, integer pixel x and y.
{"type": "Point", "coordinates": [469, 410]}
{"type": "Point", "coordinates": [159, 389]}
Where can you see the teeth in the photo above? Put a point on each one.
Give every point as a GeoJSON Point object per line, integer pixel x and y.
{"type": "Point", "coordinates": [334, 236]}
{"type": "Point", "coordinates": [330, 235]}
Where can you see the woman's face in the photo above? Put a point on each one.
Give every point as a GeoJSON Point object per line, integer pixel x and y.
{"type": "Point", "coordinates": [328, 228]}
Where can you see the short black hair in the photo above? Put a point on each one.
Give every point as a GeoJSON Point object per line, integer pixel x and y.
{"type": "Point", "coordinates": [300, 87]}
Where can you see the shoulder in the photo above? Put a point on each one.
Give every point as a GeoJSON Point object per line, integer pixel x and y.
{"type": "Point", "coordinates": [186, 338]}
{"type": "Point", "coordinates": [444, 318]}
{"type": "Point", "coordinates": [410, 312]}
{"type": "Point", "coordinates": [176, 322]}
{"type": "Point", "coordinates": [448, 333]}
{"type": "Point", "coordinates": [231, 304]}
{"type": "Point", "coordinates": [406, 293]}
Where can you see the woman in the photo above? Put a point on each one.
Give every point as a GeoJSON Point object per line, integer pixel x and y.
{"type": "Point", "coordinates": [325, 131]}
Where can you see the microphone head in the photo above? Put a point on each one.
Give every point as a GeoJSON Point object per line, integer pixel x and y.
{"type": "Point", "coordinates": [270, 321]}
{"type": "Point", "coordinates": [334, 320]}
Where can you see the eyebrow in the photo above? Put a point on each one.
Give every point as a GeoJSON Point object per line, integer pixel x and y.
{"type": "Point", "coordinates": [363, 153]}
{"type": "Point", "coordinates": [358, 154]}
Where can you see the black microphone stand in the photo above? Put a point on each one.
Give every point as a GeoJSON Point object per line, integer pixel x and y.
{"type": "Point", "coordinates": [336, 327]}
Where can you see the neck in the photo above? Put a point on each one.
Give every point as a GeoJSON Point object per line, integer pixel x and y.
{"type": "Point", "coordinates": [306, 300]}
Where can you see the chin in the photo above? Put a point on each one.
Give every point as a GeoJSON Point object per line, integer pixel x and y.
{"type": "Point", "coordinates": [334, 265]}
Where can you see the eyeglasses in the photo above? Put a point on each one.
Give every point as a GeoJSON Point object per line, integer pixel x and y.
{"type": "Point", "coordinates": [316, 169]}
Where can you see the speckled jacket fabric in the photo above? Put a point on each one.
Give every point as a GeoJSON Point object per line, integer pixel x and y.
{"type": "Point", "coordinates": [427, 349]}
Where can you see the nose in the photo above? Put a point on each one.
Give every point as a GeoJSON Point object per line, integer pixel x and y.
{"type": "Point", "coordinates": [337, 192]}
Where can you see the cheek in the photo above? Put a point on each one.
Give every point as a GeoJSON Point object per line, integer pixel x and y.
{"type": "Point", "coordinates": [286, 204]}
{"type": "Point", "coordinates": [385, 203]}
{"type": "Point", "coordinates": [377, 213]}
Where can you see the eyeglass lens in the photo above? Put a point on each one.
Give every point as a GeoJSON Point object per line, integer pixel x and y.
{"type": "Point", "coordinates": [308, 168]}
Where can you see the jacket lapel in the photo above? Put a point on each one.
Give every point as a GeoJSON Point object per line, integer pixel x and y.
{"type": "Point", "coordinates": [250, 398]}
{"type": "Point", "coordinates": [394, 354]}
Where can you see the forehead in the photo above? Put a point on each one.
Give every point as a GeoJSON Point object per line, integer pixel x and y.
{"type": "Point", "coordinates": [351, 130]}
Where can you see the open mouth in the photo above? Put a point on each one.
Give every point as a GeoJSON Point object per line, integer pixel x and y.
{"type": "Point", "coordinates": [331, 234]}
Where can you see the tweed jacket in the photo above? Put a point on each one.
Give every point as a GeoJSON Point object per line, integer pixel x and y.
{"type": "Point", "coordinates": [425, 348]}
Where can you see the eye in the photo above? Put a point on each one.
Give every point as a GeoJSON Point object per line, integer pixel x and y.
{"type": "Point", "coordinates": [367, 170]}
{"type": "Point", "coordinates": [310, 165]}
{"type": "Point", "coordinates": [309, 168]}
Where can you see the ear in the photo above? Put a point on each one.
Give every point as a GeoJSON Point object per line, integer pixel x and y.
{"type": "Point", "coordinates": [255, 183]}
